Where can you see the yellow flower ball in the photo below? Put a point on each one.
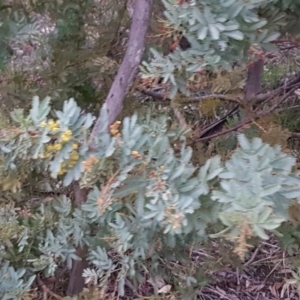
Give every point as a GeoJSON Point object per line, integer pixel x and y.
{"type": "Point", "coordinates": [55, 129]}
{"type": "Point", "coordinates": [57, 147]}
{"type": "Point", "coordinates": [50, 148]}
{"type": "Point", "coordinates": [65, 138]}
{"type": "Point", "coordinates": [74, 156]}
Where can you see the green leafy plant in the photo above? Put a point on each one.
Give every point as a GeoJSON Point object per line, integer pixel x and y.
{"type": "Point", "coordinates": [219, 32]}
{"type": "Point", "coordinates": [146, 200]}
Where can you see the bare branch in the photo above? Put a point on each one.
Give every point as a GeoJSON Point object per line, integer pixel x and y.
{"type": "Point", "coordinates": [284, 97]}
{"type": "Point", "coordinates": [47, 290]}
{"type": "Point", "coordinates": [161, 96]}
{"type": "Point", "coordinates": [241, 124]}
{"type": "Point", "coordinates": [252, 120]}
{"type": "Point", "coordinates": [257, 99]}
{"type": "Point", "coordinates": [215, 96]}
{"type": "Point", "coordinates": [295, 135]}
{"type": "Point", "coordinates": [269, 95]}
{"type": "Point", "coordinates": [155, 95]}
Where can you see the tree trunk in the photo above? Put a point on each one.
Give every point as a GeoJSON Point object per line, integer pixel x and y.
{"type": "Point", "coordinates": [129, 67]}
{"type": "Point", "coordinates": [76, 281]}
{"type": "Point", "coordinates": [116, 96]}
{"type": "Point", "coordinates": [254, 79]}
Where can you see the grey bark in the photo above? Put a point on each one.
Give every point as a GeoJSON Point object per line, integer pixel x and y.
{"type": "Point", "coordinates": [115, 99]}
{"type": "Point", "coordinates": [76, 281]}
{"type": "Point", "coordinates": [129, 67]}
{"type": "Point", "coordinates": [254, 79]}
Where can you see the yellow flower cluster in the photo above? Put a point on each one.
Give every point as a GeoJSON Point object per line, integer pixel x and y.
{"type": "Point", "coordinates": [114, 129]}
{"type": "Point", "coordinates": [65, 166]}
{"type": "Point", "coordinates": [51, 125]}
{"type": "Point", "coordinates": [66, 136]}
{"type": "Point", "coordinates": [52, 149]}
{"type": "Point", "coordinates": [88, 165]}
{"type": "Point", "coordinates": [54, 127]}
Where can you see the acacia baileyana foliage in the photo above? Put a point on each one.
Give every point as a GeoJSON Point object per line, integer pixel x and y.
{"type": "Point", "coordinates": [219, 32]}
{"type": "Point", "coordinates": [146, 201]}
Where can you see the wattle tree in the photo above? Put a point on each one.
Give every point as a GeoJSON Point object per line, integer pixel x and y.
{"type": "Point", "coordinates": [98, 200]}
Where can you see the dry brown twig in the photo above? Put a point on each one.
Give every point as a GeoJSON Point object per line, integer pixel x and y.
{"type": "Point", "coordinates": [47, 290]}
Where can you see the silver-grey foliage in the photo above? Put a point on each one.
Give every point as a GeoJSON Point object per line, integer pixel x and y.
{"type": "Point", "coordinates": [147, 200]}
{"type": "Point", "coordinates": [220, 32]}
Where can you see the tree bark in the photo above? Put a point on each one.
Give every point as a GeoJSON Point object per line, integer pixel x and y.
{"type": "Point", "coordinates": [115, 99]}
{"type": "Point", "coordinates": [76, 281]}
{"type": "Point", "coordinates": [129, 67]}
{"type": "Point", "coordinates": [254, 79]}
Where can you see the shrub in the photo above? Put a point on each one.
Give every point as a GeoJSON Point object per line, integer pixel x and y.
{"type": "Point", "coordinates": [146, 204]}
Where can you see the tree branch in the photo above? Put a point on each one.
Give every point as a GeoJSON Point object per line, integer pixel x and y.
{"type": "Point", "coordinates": [161, 96]}
{"type": "Point", "coordinates": [132, 59]}
{"type": "Point", "coordinates": [249, 120]}
{"type": "Point", "coordinates": [243, 123]}
{"type": "Point", "coordinates": [47, 290]}
{"type": "Point", "coordinates": [269, 95]}
{"type": "Point", "coordinates": [257, 99]}
{"type": "Point", "coordinates": [204, 131]}
{"type": "Point", "coordinates": [216, 96]}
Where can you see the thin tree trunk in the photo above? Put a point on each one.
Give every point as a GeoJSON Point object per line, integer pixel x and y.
{"type": "Point", "coordinates": [129, 67]}
{"type": "Point", "coordinates": [114, 101]}
{"type": "Point", "coordinates": [76, 281]}
{"type": "Point", "coordinates": [254, 79]}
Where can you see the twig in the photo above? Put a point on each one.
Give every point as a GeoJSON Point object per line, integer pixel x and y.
{"type": "Point", "coordinates": [272, 271]}
{"type": "Point", "coordinates": [258, 99]}
{"type": "Point", "coordinates": [291, 91]}
{"type": "Point", "coordinates": [212, 126]}
{"type": "Point", "coordinates": [241, 124]}
{"type": "Point", "coordinates": [47, 290]}
{"type": "Point", "coordinates": [252, 257]}
{"type": "Point", "coordinates": [223, 295]}
{"type": "Point", "coordinates": [295, 134]}
{"type": "Point", "coordinates": [215, 96]}
{"type": "Point", "coordinates": [161, 96]}
{"type": "Point", "coordinates": [269, 95]}
{"type": "Point", "coordinates": [249, 120]}
{"type": "Point", "coordinates": [155, 95]}
{"type": "Point", "coordinates": [286, 41]}
{"type": "Point", "coordinates": [180, 117]}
